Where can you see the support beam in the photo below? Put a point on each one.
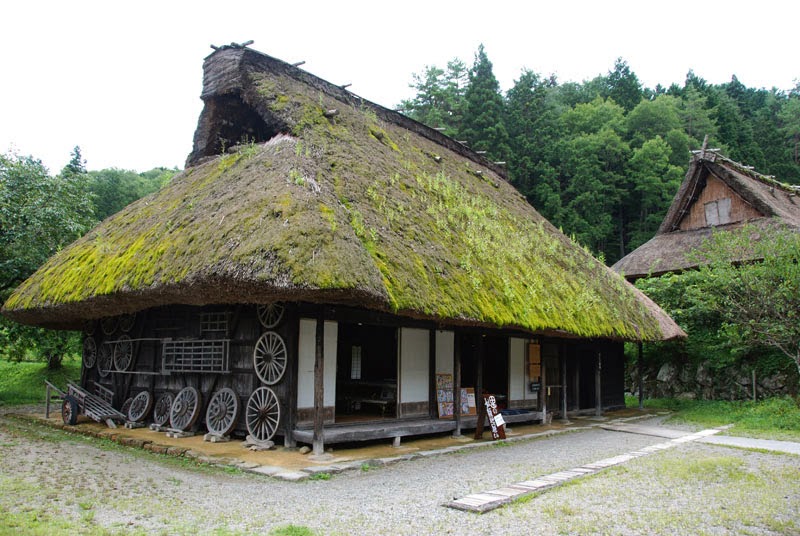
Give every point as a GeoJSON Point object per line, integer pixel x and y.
{"type": "Point", "coordinates": [598, 395]}
{"type": "Point", "coordinates": [481, 407]}
{"type": "Point", "coordinates": [457, 384]}
{"type": "Point", "coordinates": [641, 377]}
{"type": "Point", "coordinates": [319, 385]}
{"type": "Point", "coordinates": [544, 392]}
{"type": "Point", "coordinates": [432, 408]}
{"type": "Point", "coordinates": [563, 358]}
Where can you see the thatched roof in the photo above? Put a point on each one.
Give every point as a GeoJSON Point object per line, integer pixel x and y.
{"type": "Point", "coordinates": [336, 201]}
{"type": "Point", "coordinates": [772, 204]}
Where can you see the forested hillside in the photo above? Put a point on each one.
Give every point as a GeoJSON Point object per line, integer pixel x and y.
{"type": "Point", "coordinates": [39, 214]}
{"type": "Point", "coordinates": [602, 159]}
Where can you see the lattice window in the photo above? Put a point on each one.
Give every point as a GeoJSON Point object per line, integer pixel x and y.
{"type": "Point", "coordinates": [213, 323]}
{"type": "Point", "coordinates": [196, 356]}
{"type": "Point", "coordinates": [355, 363]}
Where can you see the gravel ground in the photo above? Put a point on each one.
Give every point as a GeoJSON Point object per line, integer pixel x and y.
{"type": "Point", "coordinates": [127, 491]}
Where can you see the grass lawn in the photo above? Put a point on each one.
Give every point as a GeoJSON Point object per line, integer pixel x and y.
{"type": "Point", "coordinates": [23, 382]}
{"type": "Point", "coordinates": [772, 418]}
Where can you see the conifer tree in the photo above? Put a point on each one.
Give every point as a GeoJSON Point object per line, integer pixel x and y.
{"type": "Point", "coordinates": [483, 126]}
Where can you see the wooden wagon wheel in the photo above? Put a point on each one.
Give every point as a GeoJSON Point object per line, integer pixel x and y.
{"type": "Point", "coordinates": [263, 414]}
{"type": "Point", "coordinates": [126, 406]}
{"type": "Point", "coordinates": [105, 360]}
{"type": "Point", "coordinates": [140, 407]}
{"type": "Point", "coordinates": [222, 412]}
{"type": "Point", "coordinates": [89, 327]}
{"type": "Point", "coordinates": [185, 409]}
{"type": "Point", "coordinates": [69, 410]}
{"type": "Point", "coordinates": [162, 408]}
{"type": "Point", "coordinates": [270, 314]}
{"type": "Point", "coordinates": [126, 322]}
{"type": "Point", "coordinates": [269, 357]}
{"type": "Point", "coordinates": [109, 325]}
{"type": "Point", "coordinates": [123, 353]}
{"type": "Point", "coordinates": [89, 352]}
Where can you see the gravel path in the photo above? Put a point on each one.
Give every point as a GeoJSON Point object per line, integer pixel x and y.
{"type": "Point", "coordinates": [130, 491]}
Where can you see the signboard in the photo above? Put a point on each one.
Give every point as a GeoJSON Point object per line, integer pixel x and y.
{"type": "Point", "coordinates": [496, 422]}
{"type": "Point", "coordinates": [444, 397]}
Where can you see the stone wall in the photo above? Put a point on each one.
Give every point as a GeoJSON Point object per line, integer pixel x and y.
{"type": "Point", "coordinates": [703, 382]}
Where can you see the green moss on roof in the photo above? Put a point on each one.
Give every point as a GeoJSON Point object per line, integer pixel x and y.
{"type": "Point", "coordinates": [354, 204]}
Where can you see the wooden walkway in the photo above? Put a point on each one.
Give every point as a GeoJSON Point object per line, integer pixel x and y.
{"type": "Point", "coordinates": [397, 428]}
{"type": "Point", "coordinates": [489, 500]}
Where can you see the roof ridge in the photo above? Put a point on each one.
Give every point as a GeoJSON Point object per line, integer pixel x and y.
{"type": "Point", "coordinates": [769, 180]}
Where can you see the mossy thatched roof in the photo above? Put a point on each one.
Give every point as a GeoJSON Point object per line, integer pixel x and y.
{"type": "Point", "coordinates": [345, 202]}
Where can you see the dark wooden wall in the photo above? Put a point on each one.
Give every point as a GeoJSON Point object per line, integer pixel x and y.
{"type": "Point", "coordinates": [155, 326]}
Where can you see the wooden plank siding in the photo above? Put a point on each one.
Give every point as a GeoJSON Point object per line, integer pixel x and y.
{"type": "Point", "coordinates": [716, 190]}
{"type": "Point", "coordinates": [423, 350]}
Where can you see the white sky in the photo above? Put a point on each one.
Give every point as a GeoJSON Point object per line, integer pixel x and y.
{"type": "Point", "coordinates": [122, 79]}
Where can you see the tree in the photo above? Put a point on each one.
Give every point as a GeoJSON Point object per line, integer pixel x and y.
{"type": "Point", "coordinates": [592, 117]}
{"type": "Point", "coordinates": [697, 115]}
{"type": "Point", "coordinates": [39, 214]}
{"type": "Point", "coordinates": [622, 86]}
{"type": "Point", "coordinates": [651, 118]}
{"type": "Point", "coordinates": [654, 182]}
{"type": "Point", "coordinates": [439, 101]}
{"type": "Point", "coordinates": [483, 125]}
{"type": "Point", "coordinates": [593, 170]}
{"type": "Point", "coordinates": [759, 301]}
{"type": "Point", "coordinates": [113, 189]}
{"type": "Point", "coordinates": [534, 132]}
{"type": "Point", "coordinates": [790, 125]}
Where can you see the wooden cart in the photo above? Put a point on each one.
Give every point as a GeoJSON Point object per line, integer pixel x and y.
{"type": "Point", "coordinates": [78, 400]}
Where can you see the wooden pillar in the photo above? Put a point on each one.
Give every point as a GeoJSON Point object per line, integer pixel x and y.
{"type": "Point", "coordinates": [598, 395]}
{"type": "Point", "coordinates": [641, 377]}
{"type": "Point", "coordinates": [432, 411]}
{"type": "Point", "coordinates": [319, 384]}
{"type": "Point", "coordinates": [544, 390]}
{"type": "Point", "coordinates": [457, 384]}
{"type": "Point", "coordinates": [576, 384]}
{"type": "Point", "coordinates": [563, 357]}
{"type": "Point", "coordinates": [479, 389]}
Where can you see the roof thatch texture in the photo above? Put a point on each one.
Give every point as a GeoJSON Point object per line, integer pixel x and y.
{"type": "Point", "coordinates": [674, 250]}
{"type": "Point", "coordinates": [357, 206]}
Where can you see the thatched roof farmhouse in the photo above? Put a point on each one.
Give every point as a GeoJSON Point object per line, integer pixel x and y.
{"type": "Point", "coordinates": [717, 195]}
{"type": "Point", "coordinates": [417, 253]}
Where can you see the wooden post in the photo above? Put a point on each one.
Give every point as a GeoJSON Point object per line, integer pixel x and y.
{"type": "Point", "coordinates": [47, 401]}
{"type": "Point", "coordinates": [598, 395]}
{"type": "Point", "coordinates": [755, 393]}
{"type": "Point", "coordinates": [432, 411]}
{"type": "Point", "coordinates": [641, 377]}
{"type": "Point", "coordinates": [457, 384]}
{"type": "Point", "coordinates": [576, 385]}
{"type": "Point", "coordinates": [563, 385]}
{"type": "Point", "coordinates": [544, 391]}
{"type": "Point", "coordinates": [479, 389]}
{"type": "Point", "coordinates": [319, 385]}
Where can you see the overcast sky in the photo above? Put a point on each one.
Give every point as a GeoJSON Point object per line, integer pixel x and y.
{"type": "Point", "coordinates": [122, 79]}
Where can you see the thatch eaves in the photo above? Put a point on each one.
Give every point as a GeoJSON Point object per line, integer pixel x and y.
{"type": "Point", "coordinates": [335, 200]}
{"type": "Point", "coordinates": [774, 205]}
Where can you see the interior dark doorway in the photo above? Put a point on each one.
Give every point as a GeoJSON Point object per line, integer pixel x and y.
{"type": "Point", "coordinates": [366, 373]}
{"type": "Point", "coordinates": [495, 365]}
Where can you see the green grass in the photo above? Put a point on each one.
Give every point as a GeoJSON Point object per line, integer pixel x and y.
{"type": "Point", "coordinates": [23, 382]}
{"type": "Point", "coordinates": [292, 530]}
{"type": "Point", "coordinates": [773, 418]}
{"type": "Point", "coordinates": [675, 492]}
